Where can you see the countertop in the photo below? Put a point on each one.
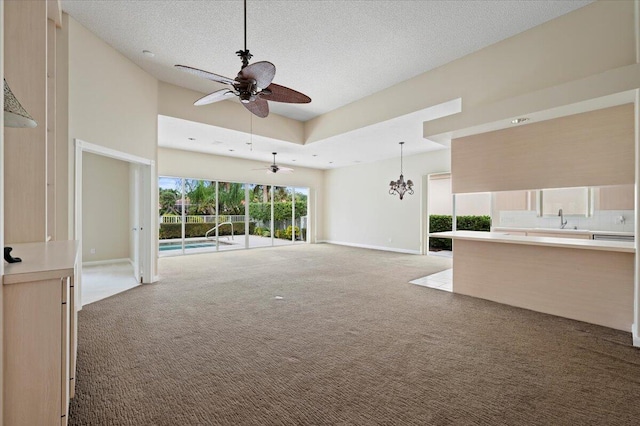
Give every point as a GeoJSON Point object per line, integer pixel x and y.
{"type": "Point", "coordinates": [498, 237]}
{"type": "Point", "coordinates": [560, 231]}
{"type": "Point", "coordinates": [41, 261]}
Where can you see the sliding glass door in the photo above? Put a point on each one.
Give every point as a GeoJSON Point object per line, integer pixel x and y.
{"type": "Point", "coordinates": [300, 218]}
{"type": "Point", "coordinates": [231, 216]}
{"type": "Point", "coordinates": [171, 211]}
{"type": "Point", "coordinates": [260, 215]}
{"type": "Point", "coordinates": [199, 216]}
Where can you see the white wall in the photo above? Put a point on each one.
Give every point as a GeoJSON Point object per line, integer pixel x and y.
{"type": "Point", "coordinates": [177, 163]}
{"type": "Point", "coordinates": [359, 211]}
{"type": "Point", "coordinates": [112, 103]}
{"type": "Point", "coordinates": [105, 206]}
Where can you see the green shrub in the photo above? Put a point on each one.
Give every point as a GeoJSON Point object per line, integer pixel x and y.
{"type": "Point", "coordinates": [290, 230]}
{"type": "Point", "coordinates": [442, 223]}
{"type": "Point", "coordinates": [174, 230]}
{"type": "Point", "coordinates": [474, 223]}
{"type": "Point", "coordinates": [281, 210]}
{"type": "Point", "coordinates": [266, 233]}
{"type": "Point", "coordinates": [258, 230]}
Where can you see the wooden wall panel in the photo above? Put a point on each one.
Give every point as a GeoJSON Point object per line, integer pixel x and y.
{"type": "Point", "coordinates": [589, 149]}
{"type": "Point", "coordinates": [25, 68]}
{"type": "Point", "coordinates": [594, 286]}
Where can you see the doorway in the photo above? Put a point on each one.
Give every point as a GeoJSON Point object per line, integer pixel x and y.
{"type": "Point", "coordinates": [119, 236]}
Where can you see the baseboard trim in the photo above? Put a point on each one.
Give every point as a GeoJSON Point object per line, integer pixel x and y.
{"type": "Point", "coordinates": [634, 335]}
{"type": "Point", "coordinates": [107, 262]}
{"type": "Point", "coordinates": [367, 246]}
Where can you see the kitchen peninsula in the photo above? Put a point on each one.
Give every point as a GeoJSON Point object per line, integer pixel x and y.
{"type": "Point", "coordinates": [585, 280]}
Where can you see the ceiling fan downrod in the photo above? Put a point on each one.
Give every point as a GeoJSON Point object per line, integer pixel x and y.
{"type": "Point", "coordinates": [244, 54]}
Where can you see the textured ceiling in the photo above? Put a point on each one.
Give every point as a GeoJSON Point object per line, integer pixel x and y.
{"type": "Point", "coordinates": [334, 51]}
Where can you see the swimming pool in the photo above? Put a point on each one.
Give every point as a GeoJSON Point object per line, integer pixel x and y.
{"type": "Point", "coordinates": [186, 246]}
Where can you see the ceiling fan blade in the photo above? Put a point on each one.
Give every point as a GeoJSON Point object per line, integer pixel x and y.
{"type": "Point", "coordinates": [259, 107]}
{"type": "Point", "coordinates": [216, 96]}
{"type": "Point", "coordinates": [206, 74]}
{"type": "Point", "coordinates": [284, 94]}
{"type": "Point", "coordinates": [262, 72]}
{"type": "Point", "coordinates": [284, 169]}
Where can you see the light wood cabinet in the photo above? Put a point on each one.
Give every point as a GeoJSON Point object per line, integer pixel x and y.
{"type": "Point", "coordinates": [618, 197]}
{"type": "Point", "coordinates": [39, 340]}
{"type": "Point", "coordinates": [511, 200]}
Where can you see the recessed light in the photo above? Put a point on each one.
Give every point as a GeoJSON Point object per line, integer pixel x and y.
{"type": "Point", "coordinates": [519, 120]}
{"type": "Point", "coordinates": [192, 139]}
{"type": "Point", "coordinates": [293, 160]}
{"type": "Point", "coordinates": [231, 150]}
{"type": "Point", "coordinates": [330, 162]}
{"type": "Point", "coordinates": [314, 155]}
{"type": "Point", "coordinates": [357, 161]}
{"type": "Point", "coordinates": [149, 53]}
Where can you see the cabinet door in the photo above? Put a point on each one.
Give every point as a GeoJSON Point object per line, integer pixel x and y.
{"type": "Point", "coordinates": [32, 353]}
{"type": "Point", "coordinates": [64, 345]}
{"type": "Point", "coordinates": [511, 200]}
{"type": "Point", "coordinates": [73, 337]}
{"type": "Point", "coordinates": [619, 197]}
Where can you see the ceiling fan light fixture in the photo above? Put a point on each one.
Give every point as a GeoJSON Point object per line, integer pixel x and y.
{"type": "Point", "coordinates": [253, 84]}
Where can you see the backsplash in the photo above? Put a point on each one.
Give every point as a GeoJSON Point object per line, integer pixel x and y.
{"type": "Point", "coordinates": [602, 220]}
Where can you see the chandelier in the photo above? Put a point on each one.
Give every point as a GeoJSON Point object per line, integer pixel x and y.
{"type": "Point", "coordinates": [400, 187]}
{"type": "Point", "coordinates": [14, 114]}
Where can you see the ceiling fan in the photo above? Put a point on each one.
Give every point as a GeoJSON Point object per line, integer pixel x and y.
{"type": "Point", "coordinates": [274, 168]}
{"type": "Point", "coordinates": [253, 84]}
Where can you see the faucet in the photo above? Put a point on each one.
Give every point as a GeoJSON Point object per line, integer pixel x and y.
{"type": "Point", "coordinates": [563, 222]}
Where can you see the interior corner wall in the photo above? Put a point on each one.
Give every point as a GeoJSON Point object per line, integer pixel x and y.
{"type": "Point", "coordinates": [593, 39]}
{"type": "Point", "coordinates": [178, 163]}
{"type": "Point", "coordinates": [112, 102]}
{"type": "Point", "coordinates": [105, 208]}
{"type": "Point", "coordinates": [359, 210]}
{"type": "Point", "coordinates": [174, 101]}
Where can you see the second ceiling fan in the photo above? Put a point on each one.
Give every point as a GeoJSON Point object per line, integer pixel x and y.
{"type": "Point", "coordinates": [274, 168]}
{"type": "Point", "coordinates": [253, 84]}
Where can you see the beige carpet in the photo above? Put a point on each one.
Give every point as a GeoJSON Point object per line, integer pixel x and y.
{"type": "Point", "coordinates": [349, 343]}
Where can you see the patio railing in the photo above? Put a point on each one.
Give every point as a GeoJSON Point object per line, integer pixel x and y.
{"type": "Point", "coordinates": [202, 218]}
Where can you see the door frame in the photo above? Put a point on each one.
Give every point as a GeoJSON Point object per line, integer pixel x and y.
{"type": "Point", "coordinates": [145, 219]}
{"type": "Point", "coordinates": [425, 208]}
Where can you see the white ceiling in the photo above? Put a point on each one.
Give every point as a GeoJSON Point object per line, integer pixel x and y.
{"type": "Point", "coordinates": [369, 144]}
{"type": "Point", "coordinates": [334, 51]}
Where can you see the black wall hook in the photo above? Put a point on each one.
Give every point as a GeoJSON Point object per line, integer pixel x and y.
{"type": "Point", "coordinates": [8, 257]}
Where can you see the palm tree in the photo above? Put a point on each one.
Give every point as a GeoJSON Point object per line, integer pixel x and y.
{"type": "Point", "coordinates": [168, 198]}
{"type": "Point", "coordinates": [202, 197]}
{"type": "Point", "coordinates": [231, 198]}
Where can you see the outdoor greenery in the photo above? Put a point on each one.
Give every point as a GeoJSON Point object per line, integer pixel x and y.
{"type": "Point", "coordinates": [441, 223]}
{"type": "Point", "coordinates": [200, 201]}
{"type": "Point", "coordinates": [280, 233]}
{"type": "Point", "coordinates": [281, 210]}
